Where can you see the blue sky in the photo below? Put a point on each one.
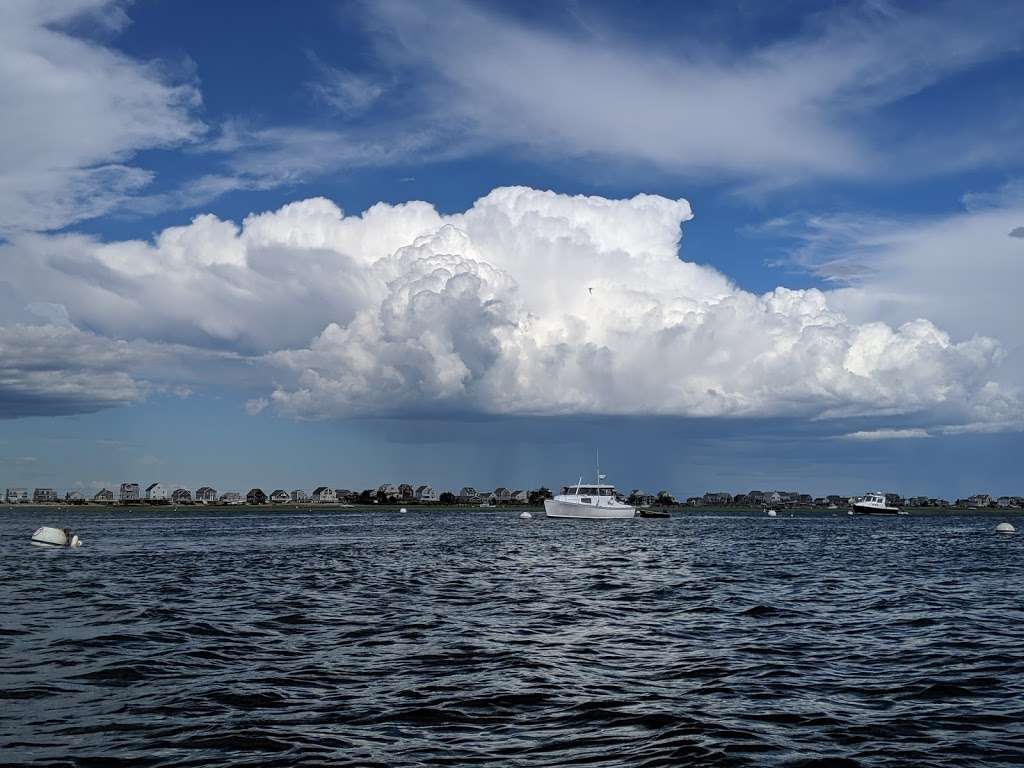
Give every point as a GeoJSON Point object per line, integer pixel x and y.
{"type": "Point", "coordinates": [193, 293]}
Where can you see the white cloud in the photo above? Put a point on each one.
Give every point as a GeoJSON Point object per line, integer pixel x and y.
{"type": "Point", "coordinates": [256, 406]}
{"type": "Point", "coordinates": [888, 434]}
{"type": "Point", "coordinates": [346, 92]}
{"type": "Point", "coordinates": [75, 112]}
{"type": "Point", "coordinates": [796, 107]}
{"type": "Point", "coordinates": [529, 302]}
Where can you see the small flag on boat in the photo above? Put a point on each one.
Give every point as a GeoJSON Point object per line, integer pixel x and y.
{"type": "Point", "coordinates": [601, 477]}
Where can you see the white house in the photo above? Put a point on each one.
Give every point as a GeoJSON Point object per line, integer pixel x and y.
{"type": "Point", "coordinates": [426, 494]}
{"type": "Point", "coordinates": [17, 495]}
{"type": "Point", "coordinates": [299, 495]}
{"type": "Point", "coordinates": [156, 492]}
{"type": "Point", "coordinates": [231, 497]}
{"type": "Point", "coordinates": [280, 497]}
{"type": "Point", "coordinates": [206, 495]}
{"type": "Point", "coordinates": [325, 495]}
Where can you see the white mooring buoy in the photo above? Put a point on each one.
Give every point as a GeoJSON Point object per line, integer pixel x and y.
{"type": "Point", "coordinates": [403, 510]}
{"type": "Point", "coordinates": [525, 516]}
{"type": "Point", "coordinates": [48, 536]}
{"type": "Point", "coordinates": [1005, 528]}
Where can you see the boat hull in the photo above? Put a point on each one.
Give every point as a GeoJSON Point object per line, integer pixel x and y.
{"type": "Point", "coordinates": [568, 509]}
{"type": "Point", "coordinates": [877, 511]}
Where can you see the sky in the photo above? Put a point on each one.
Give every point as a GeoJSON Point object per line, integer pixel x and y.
{"type": "Point", "coordinates": [729, 246]}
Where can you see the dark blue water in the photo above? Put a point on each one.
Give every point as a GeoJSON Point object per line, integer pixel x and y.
{"type": "Point", "coordinates": [474, 638]}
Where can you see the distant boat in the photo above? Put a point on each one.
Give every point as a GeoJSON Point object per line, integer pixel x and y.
{"type": "Point", "coordinates": [659, 513]}
{"type": "Point", "coordinates": [874, 504]}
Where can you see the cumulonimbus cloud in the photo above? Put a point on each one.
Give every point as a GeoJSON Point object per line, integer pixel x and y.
{"type": "Point", "coordinates": [529, 302]}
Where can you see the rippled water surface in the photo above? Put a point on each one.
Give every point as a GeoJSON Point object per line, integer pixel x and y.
{"type": "Point", "coordinates": [475, 638]}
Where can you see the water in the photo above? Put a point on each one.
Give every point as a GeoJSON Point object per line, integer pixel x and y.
{"type": "Point", "coordinates": [474, 638]}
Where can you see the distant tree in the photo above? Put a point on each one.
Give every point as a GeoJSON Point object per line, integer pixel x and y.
{"type": "Point", "coordinates": [367, 496]}
{"type": "Point", "coordinates": [447, 498]}
{"type": "Point", "coordinates": [665, 498]}
{"type": "Point", "coordinates": [538, 496]}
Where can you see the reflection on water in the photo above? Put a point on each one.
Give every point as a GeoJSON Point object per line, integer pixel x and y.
{"type": "Point", "coordinates": [473, 637]}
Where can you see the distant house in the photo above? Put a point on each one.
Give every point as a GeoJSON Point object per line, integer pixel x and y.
{"type": "Point", "coordinates": [156, 492]}
{"type": "Point", "coordinates": [468, 495]}
{"type": "Point", "coordinates": [231, 497]}
{"type": "Point", "coordinates": [1006, 502]}
{"type": "Point", "coordinates": [426, 494]}
{"type": "Point", "coordinates": [979, 500]}
{"type": "Point", "coordinates": [757, 497]}
{"type": "Point", "coordinates": [712, 499]}
{"type": "Point", "coordinates": [835, 499]}
{"type": "Point", "coordinates": [74, 497]}
{"type": "Point", "coordinates": [299, 495]}
{"type": "Point", "coordinates": [520, 497]}
{"type": "Point", "coordinates": [406, 491]}
{"type": "Point", "coordinates": [128, 492]}
{"type": "Point", "coordinates": [388, 491]}
{"type": "Point", "coordinates": [17, 496]}
{"type": "Point", "coordinates": [255, 496]}
{"type": "Point", "coordinates": [206, 495]}
{"type": "Point", "coordinates": [44, 495]}
{"type": "Point", "coordinates": [280, 497]}
{"type": "Point", "coordinates": [345, 494]}
{"type": "Point", "coordinates": [325, 495]}
{"type": "Point", "coordinates": [104, 496]}
{"type": "Point", "coordinates": [805, 499]}
{"type": "Point", "coordinates": [501, 495]}
{"type": "Point", "coordinates": [641, 498]}
{"type": "Point", "coordinates": [181, 496]}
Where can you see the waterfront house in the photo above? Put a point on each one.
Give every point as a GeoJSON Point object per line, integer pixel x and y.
{"type": "Point", "coordinates": [231, 497]}
{"type": "Point", "coordinates": [388, 491]}
{"type": "Point", "coordinates": [74, 497]}
{"type": "Point", "coordinates": [280, 497]}
{"type": "Point", "coordinates": [520, 497]}
{"type": "Point", "coordinates": [206, 495]}
{"type": "Point", "coordinates": [128, 492]}
{"type": "Point", "coordinates": [299, 495]}
{"type": "Point", "coordinates": [719, 498]}
{"type": "Point", "coordinates": [979, 500]}
{"type": "Point", "coordinates": [406, 492]}
{"type": "Point", "coordinates": [181, 496]}
{"type": "Point", "coordinates": [501, 495]}
{"type": "Point", "coordinates": [468, 495]}
{"type": "Point", "coordinates": [104, 496]}
{"type": "Point", "coordinates": [44, 495]}
{"type": "Point", "coordinates": [156, 492]}
{"type": "Point", "coordinates": [346, 495]}
{"type": "Point", "coordinates": [17, 496]}
{"type": "Point", "coordinates": [255, 496]}
{"type": "Point", "coordinates": [325, 495]}
{"type": "Point", "coordinates": [425, 494]}
{"type": "Point", "coordinates": [1006, 502]}
{"type": "Point", "coordinates": [641, 498]}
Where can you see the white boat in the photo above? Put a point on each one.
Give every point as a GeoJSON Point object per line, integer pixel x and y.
{"type": "Point", "coordinates": [874, 504]}
{"type": "Point", "coordinates": [588, 502]}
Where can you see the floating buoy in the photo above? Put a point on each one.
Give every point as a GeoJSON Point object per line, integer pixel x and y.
{"type": "Point", "coordinates": [403, 510]}
{"type": "Point", "coordinates": [1005, 528]}
{"type": "Point", "coordinates": [772, 513]}
{"type": "Point", "coordinates": [48, 536]}
{"type": "Point", "coordinates": [525, 516]}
